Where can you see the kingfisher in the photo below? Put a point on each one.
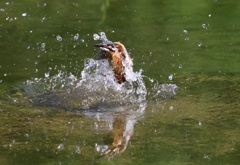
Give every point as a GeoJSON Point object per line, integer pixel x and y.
{"type": "Point", "coordinates": [118, 58]}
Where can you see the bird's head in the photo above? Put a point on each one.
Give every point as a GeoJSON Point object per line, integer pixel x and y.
{"type": "Point", "coordinates": [107, 47]}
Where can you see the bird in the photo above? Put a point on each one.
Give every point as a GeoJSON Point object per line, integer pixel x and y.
{"type": "Point", "coordinates": [118, 58]}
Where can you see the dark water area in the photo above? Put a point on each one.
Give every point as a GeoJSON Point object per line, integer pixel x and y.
{"type": "Point", "coordinates": [180, 104]}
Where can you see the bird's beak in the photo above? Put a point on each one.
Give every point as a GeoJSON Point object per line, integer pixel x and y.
{"type": "Point", "coordinates": [98, 45]}
{"type": "Point", "coordinates": [102, 47]}
{"type": "Point", "coordinates": [106, 47]}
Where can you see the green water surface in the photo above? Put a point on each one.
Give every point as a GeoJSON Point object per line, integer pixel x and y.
{"type": "Point", "coordinates": [197, 42]}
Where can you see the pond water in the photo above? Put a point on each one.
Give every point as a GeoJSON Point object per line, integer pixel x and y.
{"type": "Point", "coordinates": [180, 104]}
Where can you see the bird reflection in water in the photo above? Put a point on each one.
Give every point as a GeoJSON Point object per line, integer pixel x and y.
{"type": "Point", "coordinates": [119, 121]}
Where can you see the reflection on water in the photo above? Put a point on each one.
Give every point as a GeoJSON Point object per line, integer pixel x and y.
{"type": "Point", "coordinates": [120, 122]}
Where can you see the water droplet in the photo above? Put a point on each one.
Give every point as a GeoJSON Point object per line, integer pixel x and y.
{"type": "Point", "coordinates": [185, 31]}
{"type": "Point", "coordinates": [24, 14]}
{"type": "Point", "coordinates": [47, 74]}
{"type": "Point", "coordinates": [26, 135]}
{"type": "Point", "coordinates": [76, 37]}
{"type": "Point", "coordinates": [77, 150]}
{"type": "Point", "coordinates": [96, 37]}
{"type": "Point", "coordinates": [43, 19]}
{"type": "Point", "coordinates": [180, 66]}
{"type": "Point", "coordinates": [10, 19]}
{"type": "Point", "coordinates": [43, 47]}
{"type": "Point", "coordinates": [205, 26]}
{"type": "Point", "coordinates": [101, 148]}
{"type": "Point", "coordinates": [103, 36]}
{"type": "Point", "coordinates": [59, 38]}
{"type": "Point", "coordinates": [205, 156]}
{"type": "Point", "coordinates": [170, 77]}
{"type": "Point", "coordinates": [200, 123]}
{"type": "Point", "coordinates": [60, 146]}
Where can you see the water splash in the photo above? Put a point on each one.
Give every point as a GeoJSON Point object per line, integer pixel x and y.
{"type": "Point", "coordinates": [24, 14]}
{"type": "Point", "coordinates": [59, 38]}
{"type": "Point", "coordinates": [101, 36]}
{"type": "Point", "coordinates": [95, 87]}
